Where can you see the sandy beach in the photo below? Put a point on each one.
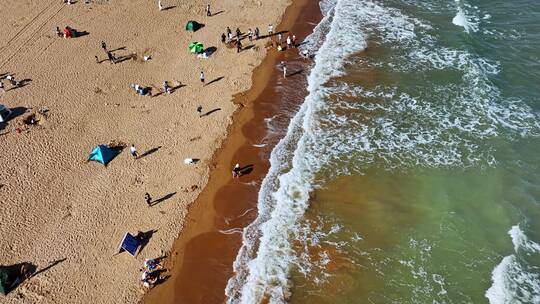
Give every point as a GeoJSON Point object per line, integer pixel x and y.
{"type": "Point", "coordinates": [60, 210]}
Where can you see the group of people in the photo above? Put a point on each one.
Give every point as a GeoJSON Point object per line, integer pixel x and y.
{"type": "Point", "coordinates": [151, 273]}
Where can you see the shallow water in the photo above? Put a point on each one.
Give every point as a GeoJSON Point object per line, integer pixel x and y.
{"type": "Point", "coordinates": [410, 173]}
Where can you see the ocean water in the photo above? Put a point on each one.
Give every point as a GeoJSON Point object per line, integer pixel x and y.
{"type": "Point", "coordinates": [410, 173]}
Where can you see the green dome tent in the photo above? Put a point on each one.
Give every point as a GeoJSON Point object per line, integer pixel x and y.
{"type": "Point", "coordinates": [193, 26]}
{"type": "Point", "coordinates": [196, 47]}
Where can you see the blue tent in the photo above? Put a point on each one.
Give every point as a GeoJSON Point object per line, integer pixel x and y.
{"type": "Point", "coordinates": [102, 154]}
{"type": "Point", "coordinates": [130, 244]}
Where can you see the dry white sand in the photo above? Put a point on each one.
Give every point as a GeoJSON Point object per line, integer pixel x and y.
{"type": "Point", "coordinates": [55, 205]}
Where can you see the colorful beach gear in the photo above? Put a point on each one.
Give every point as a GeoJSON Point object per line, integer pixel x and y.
{"type": "Point", "coordinates": [130, 244]}
{"type": "Point", "coordinates": [193, 26]}
{"type": "Point", "coordinates": [196, 47]}
{"type": "Point", "coordinates": [102, 154]}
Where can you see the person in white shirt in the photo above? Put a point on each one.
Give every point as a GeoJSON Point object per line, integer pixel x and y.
{"type": "Point", "coordinates": [133, 151]}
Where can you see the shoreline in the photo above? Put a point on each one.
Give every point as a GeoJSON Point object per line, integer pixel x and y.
{"type": "Point", "coordinates": [208, 244]}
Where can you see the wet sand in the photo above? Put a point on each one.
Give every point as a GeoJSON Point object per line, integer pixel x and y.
{"type": "Point", "coordinates": [202, 257]}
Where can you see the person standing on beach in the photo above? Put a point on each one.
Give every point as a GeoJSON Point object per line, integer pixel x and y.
{"type": "Point", "coordinates": [250, 35]}
{"type": "Point", "coordinates": [238, 33]}
{"type": "Point", "coordinates": [289, 42]}
{"type": "Point", "coordinates": [111, 57]}
{"type": "Point", "coordinates": [133, 151]}
{"type": "Point", "coordinates": [294, 40]}
{"type": "Point", "coordinates": [238, 46]}
{"type": "Point", "coordinates": [166, 87]}
{"type": "Point", "coordinates": [199, 110]}
{"type": "Point", "coordinates": [229, 32]}
{"type": "Point", "coordinates": [208, 13]}
{"type": "Point", "coordinates": [223, 38]}
{"type": "Point", "coordinates": [201, 77]}
{"type": "Point", "coordinates": [257, 33]}
{"type": "Point", "coordinates": [270, 29]}
{"type": "Point", "coordinates": [148, 199]}
{"type": "Point", "coordinates": [236, 171]}
{"type": "Point", "coordinates": [104, 46]}
{"type": "Point", "coordinates": [284, 69]}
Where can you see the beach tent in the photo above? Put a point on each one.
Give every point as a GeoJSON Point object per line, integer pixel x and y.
{"type": "Point", "coordinates": [130, 244]}
{"type": "Point", "coordinates": [102, 154]}
{"type": "Point", "coordinates": [193, 26]}
{"type": "Point", "coordinates": [10, 277]}
{"type": "Point", "coordinates": [196, 47]}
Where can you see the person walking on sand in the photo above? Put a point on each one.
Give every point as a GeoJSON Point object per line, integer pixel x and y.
{"type": "Point", "coordinates": [229, 32]}
{"type": "Point", "coordinates": [199, 110]}
{"type": "Point", "coordinates": [238, 32]}
{"type": "Point", "coordinates": [208, 13]}
{"type": "Point", "coordinates": [148, 199]}
{"type": "Point", "coordinates": [104, 46]}
{"type": "Point", "coordinates": [166, 87]}
{"type": "Point", "coordinates": [133, 151]}
{"type": "Point", "coordinates": [257, 33]}
{"type": "Point", "coordinates": [238, 46]}
{"type": "Point", "coordinates": [236, 171]}
{"type": "Point", "coordinates": [111, 58]}
{"type": "Point", "coordinates": [201, 77]}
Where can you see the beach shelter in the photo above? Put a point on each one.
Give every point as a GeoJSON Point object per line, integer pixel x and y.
{"type": "Point", "coordinates": [102, 154]}
{"type": "Point", "coordinates": [10, 277]}
{"type": "Point", "coordinates": [196, 47]}
{"type": "Point", "coordinates": [193, 26]}
{"type": "Point", "coordinates": [130, 244]}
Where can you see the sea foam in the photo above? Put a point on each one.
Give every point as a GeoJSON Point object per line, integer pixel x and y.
{"type": "Point", "coordinates": [513, 280]}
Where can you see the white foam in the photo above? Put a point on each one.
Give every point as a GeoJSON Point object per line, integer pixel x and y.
{"type": "Point", "coordinates": [513, 284]}
{"type": "Point", "coordinates": [461, 20]}
{"type": "Point", "coordinates": [520, 240]}
{"type": "Point", "coordinates": [284, 195]}
{"type": "Point", "coordinates": [513, 280]}
{"type": "Point", "coordinates": [466, 19]}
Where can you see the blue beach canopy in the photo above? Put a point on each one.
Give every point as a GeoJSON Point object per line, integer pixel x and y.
{"type": "Point", "coordinates": [102, 154]}
{"type": "Point", "coordinates": [130, 244]}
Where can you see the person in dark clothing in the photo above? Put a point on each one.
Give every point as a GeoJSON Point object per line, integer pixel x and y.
{"type": "Point", "coordinates": [223, 38]}
{"type": "Point", "coordinates": [238, 32]}
{"type": "Point", "coordinates": [199, 109]}
{"type": "Point", "coordinates": [104, 46]}
{"type": "Point", "coordinates": [257, 33]}
{"type": "Point", "coordinates": [148, 199]}
{"type": "Point", "coordinates": [229, 31]}
{"type": "Point", "coordinates": [238, 46]}
{"type": "Point", "coordinates": [111, 57]}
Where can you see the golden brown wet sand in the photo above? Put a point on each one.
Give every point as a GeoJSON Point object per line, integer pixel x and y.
{"type": "Point", "coordinates": [56, 207]}
{"type": "Point", "coordinates": [203, 255]}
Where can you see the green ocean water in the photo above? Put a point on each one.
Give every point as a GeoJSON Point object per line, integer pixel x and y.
{"type": "Point", "coordinates": [430, 222]}
{"type": "Point", "coordinates": [410, 174]}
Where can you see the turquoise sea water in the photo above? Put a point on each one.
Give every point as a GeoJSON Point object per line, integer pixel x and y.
{"type": "Point", "coordinates": [411, 172]}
